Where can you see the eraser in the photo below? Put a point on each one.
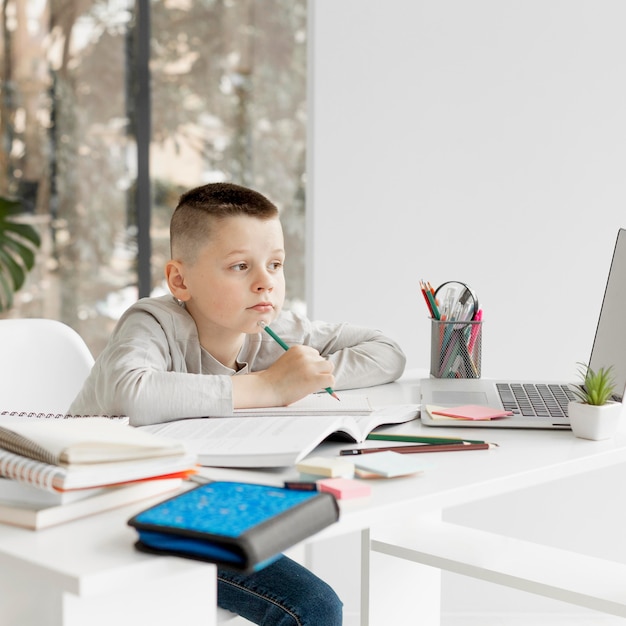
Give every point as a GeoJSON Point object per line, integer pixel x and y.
{"type": "Point", "coordinates": [300, 485]}
{"type": "Point", "coordinates": [324, 466]}
{"type": "Point", "coordinates": [344, 488]}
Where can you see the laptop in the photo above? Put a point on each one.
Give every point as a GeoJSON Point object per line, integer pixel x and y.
{"type": "Point", "coordinates": [542, 404]}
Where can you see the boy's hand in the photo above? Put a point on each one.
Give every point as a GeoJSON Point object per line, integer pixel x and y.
{"type": "Point", "coordinates": [298, 372]}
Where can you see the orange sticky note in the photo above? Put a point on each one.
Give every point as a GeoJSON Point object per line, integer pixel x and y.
{"type": "Point", "coordinates": [472, 412]}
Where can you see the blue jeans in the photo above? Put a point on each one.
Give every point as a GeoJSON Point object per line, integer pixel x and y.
{"type": "Point", "coordinates": [281, 594]}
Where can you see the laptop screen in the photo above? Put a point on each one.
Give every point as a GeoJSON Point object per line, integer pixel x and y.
{"type": "Point", "coordinates": [609, 345]}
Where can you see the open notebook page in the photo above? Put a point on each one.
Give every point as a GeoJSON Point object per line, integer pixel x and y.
{"type": "Point", "coordinates": [316, 404]}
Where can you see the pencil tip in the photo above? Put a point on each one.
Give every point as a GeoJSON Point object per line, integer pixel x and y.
{"type": "Point", "coordinates": [334, 395]}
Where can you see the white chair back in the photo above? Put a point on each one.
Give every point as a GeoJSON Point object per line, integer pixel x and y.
{"type": "Point", "coordinates": [43, 364]}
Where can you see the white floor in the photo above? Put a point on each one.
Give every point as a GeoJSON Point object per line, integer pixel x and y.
{"type": "Point", "coordinates": [499, 619]}
{"type": "Point", "coordinates": [530, 619]}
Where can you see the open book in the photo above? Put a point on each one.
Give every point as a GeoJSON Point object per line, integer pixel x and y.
{"type": "Point", "coordinates": [273, 440]}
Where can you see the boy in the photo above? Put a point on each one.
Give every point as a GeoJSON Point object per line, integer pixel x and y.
{"type": "Point", "coordinates": [203, 353]}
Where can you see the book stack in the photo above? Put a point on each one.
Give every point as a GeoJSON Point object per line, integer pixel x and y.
{"type": "Point", "coordinates": [57, 470]}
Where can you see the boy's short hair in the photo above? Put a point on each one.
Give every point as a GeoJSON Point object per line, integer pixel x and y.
{"type": "Point", "coordinates": [198, 208]}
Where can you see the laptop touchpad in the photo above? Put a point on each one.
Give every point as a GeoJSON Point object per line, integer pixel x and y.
{"type": "Point", "coordinates": [459, 397]}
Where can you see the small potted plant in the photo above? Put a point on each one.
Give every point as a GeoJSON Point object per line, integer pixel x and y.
{"type": "Point", "coordinates": [594, 415]}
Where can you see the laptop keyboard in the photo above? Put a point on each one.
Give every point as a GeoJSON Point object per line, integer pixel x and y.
{"type": "Point", "coordinates": [538, 400]}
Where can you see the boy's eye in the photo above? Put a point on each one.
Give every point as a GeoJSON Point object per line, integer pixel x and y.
{"type": "Point", "coordinates": [240, 267]}
{"type": "Point", "coordinates": [275, 265]}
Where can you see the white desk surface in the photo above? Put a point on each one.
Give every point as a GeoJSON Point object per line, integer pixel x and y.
{"type": "Point", "coordinates": [523, 458]}
{"type": "Point", "coordinates": [78, 555]}
{"type": "Point", "coordinates": [94, 554]}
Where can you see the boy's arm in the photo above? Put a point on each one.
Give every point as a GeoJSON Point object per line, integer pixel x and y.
{"type": "Point", "coordinates": [133, 376]}
{"type": "Point", "coordinates": [374, 361]}
{"type": "Point", "coordinates": [149, 395]}
{"type": "Point", "coordinates": [362, 357]}
{"type": "Point", "coordinates": [296, 373]}
{"type": "Point", "coordinates": [132, 379]}
{"type": "Point", "coordinates": [146, 375]}
{"type": "Point", "coordinates": [152, 375]}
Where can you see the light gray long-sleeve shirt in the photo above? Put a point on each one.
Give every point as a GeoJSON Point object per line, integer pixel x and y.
{"type": "Point", "coordinates": [155, 370]}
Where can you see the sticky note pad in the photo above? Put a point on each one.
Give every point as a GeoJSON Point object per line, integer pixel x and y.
{"type": "Point", "coordinates": [389, 464]}
{"type": "Point", "coordinates": [344, 488]}
{"type": "Point", "coordinates": [323, 466]}
{"type": "Point", "coordinates": [470, 412]}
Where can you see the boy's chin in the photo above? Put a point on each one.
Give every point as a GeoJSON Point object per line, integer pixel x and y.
{"type": "Point", "coordinates": [258, 324]}
{"type": "Point", "coordinates": [256, 327]}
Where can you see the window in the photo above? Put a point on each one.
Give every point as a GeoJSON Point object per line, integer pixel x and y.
{"type": "Point", "coordinates": [227, 102]}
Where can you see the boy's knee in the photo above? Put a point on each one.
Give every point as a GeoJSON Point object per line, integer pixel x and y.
{"type": "Point", "coordinates": [322, 606]}
{"type": "Point", "coordinates": [282, 594]}
{"type": "Point", "coordinates": [329, 611]}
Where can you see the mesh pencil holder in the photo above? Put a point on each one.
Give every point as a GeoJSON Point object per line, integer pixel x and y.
{"type": "Point", "coordinates": [455, 349]}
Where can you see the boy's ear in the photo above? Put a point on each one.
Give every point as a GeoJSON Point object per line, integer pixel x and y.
{"type": "Point", "coordinates": [175, 277]}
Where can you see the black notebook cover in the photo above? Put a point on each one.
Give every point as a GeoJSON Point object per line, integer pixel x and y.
{"type": "Point", "coordinates": [241, 526]}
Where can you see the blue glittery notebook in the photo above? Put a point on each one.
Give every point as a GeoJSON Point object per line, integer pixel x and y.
{"type": "Point", "coordinates": [240, 526]}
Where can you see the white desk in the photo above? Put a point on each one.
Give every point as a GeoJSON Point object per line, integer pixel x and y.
{"type": "Point", "coordinates": [88, 571]}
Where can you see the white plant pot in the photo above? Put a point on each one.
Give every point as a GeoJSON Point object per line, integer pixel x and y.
{"type": "Point", "coordinates": [595, 422]}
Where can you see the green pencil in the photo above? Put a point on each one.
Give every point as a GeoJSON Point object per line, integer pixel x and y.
{"type": "Point", "coordinates": [285, 347]}
{"type": "Point", "coordinates": [418, 439]}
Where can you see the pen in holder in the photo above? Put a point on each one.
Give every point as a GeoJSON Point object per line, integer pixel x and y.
{"type": "Point", "coordinates": [455, 348]}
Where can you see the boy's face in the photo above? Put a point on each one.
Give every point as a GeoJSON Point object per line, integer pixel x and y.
{"type": "Point", "coordinates": [237, 278]}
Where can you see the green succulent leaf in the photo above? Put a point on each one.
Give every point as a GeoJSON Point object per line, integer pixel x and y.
{"type": "Point", "coordinates": [18, 245]}
{"type": "Point", "coordinates": [598, 387]}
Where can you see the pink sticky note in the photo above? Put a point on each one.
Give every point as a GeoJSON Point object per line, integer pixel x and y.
{"type": "Point", "coordinates": [344, 488]}
{"type": "Point", "coordinates": [472, 412]}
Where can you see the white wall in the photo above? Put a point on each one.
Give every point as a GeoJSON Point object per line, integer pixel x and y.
{"type": "Point", "coordinates": [483, 141]}
{"type": "Point", "coordinates": [474, 140]}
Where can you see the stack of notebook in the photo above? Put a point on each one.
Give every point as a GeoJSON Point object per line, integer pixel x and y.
{"type": "Point", "coordinates": [56, 470]}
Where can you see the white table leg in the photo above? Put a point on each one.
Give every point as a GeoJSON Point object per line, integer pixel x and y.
{"type": "Point", "coordinates": [395, 591]}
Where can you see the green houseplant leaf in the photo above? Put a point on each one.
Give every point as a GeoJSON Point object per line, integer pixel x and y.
{"type": "Point", "coordinates": [598, 387]}
{"type": "Point", "coordinates": [18, 245]}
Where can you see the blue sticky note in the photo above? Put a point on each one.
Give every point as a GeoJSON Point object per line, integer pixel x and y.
{"type": "Point", "coordinates": [389, 464]}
